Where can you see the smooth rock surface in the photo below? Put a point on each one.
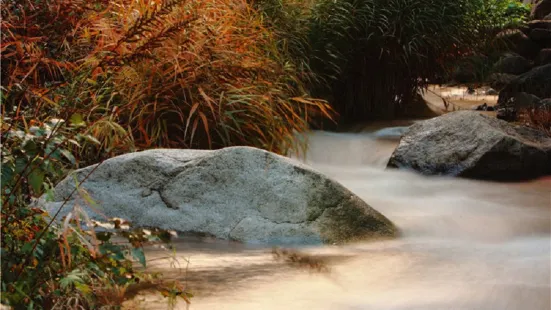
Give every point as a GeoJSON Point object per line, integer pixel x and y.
{"type": "Point", "coordinates": [471, 145]}
{"type": "Point", "coordinates": [237, 193]}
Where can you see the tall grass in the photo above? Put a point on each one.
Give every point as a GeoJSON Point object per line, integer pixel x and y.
{"type": "Point", "coordinates": [156, 74]}
{"type": "Point", "coordinates": [86, 80]}
{"type": "Point", "coordinates": [369, 58]}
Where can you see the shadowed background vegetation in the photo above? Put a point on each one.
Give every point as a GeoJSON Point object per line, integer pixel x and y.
{"type": "Point", "coordinates": [370, 58]}
{"type": "Point", "coordinates": [83, 81]}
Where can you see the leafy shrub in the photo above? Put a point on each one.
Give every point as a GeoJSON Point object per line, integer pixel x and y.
{"type": "Point", "coordinates": [491, 16]}
{"type": "Point", "coordinates": [49, 265]}
{"type": "Point", "coordinates": [378, 54]}
{"type": "Point", "coordinates": [487, 18]}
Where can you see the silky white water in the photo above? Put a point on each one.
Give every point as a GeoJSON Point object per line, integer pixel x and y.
{"type": "Point", "coordinates": [465, 245]}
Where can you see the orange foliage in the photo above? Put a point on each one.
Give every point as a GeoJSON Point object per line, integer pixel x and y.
{"type": "Point", "coordinates": [167, 73]}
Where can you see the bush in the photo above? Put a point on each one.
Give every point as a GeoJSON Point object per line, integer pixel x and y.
{"type": "Point", "coordinates": [370, 57]}
{"type": "Point", "coordinates": [174, 74]}
{"type": "Point", "coordinates": [488, 18]}
{"type": "Point", "coordinates": [48, 265]}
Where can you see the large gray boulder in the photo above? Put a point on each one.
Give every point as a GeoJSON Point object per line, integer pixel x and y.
{"type": "Point", "coordinates": [237, 193]}
{"type": "Point", "coordinates": [469, 144]}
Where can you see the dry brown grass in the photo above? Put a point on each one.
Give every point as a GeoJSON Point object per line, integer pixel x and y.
{"type": "Point", "coordinates": [539, 118]}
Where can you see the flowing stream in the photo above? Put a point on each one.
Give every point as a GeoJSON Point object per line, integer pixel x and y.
{"type": "Point", "coordinates": [465, 244]}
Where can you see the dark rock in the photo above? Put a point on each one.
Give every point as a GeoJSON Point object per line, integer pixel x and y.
{"type": "Point", "coordinates": [508, 114]}
{"type": "Point", "coordinates": [513, 64]}
{"type": "Point", "coordinates": [490, 108]}
{"type": "Point", "coordinates": [540, 34]}
{"type": "Point", "coordinates": [525, 29]}
{"type": "Point", "coordinates": [536, 81]}
{"type": "Point", "coordinates": [541, 9]}
{"type": "Point", "coordinates": [525, 100]}
{"type": "Point", "coordinates": [544, 56]}
{"type": "Point", "coordinates": [471, 145]}
{"type": "Point", "coordinates": [539, 23]}
{"type": "Point", "coordinates": [500, 80]}
{"type": "Point", "coordinates": [518, 42]}
{"type": "Point", "coordinates": [466, 70]}
{"type": "Point", "coordinates": [544, 104]}
{"type": "Point", "coordinates": [481, 107]}
{"type": "Point", "coordinates": [508, 111]}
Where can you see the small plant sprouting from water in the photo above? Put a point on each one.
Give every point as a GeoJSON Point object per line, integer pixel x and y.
{"type": "Point", "coordinates": [300, 260]}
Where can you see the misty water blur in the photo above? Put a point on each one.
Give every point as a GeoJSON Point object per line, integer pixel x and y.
{"type": "Point", "coordinates": [465, 244]}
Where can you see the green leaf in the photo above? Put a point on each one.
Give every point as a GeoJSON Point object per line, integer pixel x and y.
{"type": "Point", "coordinates": [115, 251]}
{"type": "Point", "coordinates": [77, 119]}
{"type": "Point", "coordinates": [36, 179]}
{"type": "Point", "coordinates": [83, 288]}
{"type": "Point", "coordinates": [49, 192]}
{"type": "Point", "coordinates": [68, 155]}
{"type": "Point", "coordinates": [74, 277]}
{"type": "Point", "coordinates": [138, 254]}
{"type": "Point", "coordinates": [20, 164]}
{"type": "Point", "coordinates": [27, 247]}
{"type": "Point", "coordinates": [91, 139]}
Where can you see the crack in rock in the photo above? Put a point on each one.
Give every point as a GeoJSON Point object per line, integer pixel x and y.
{"type": "Point", "coordinates": [159, 187]}
{"type": "Point", "coordinates": [235, 226]}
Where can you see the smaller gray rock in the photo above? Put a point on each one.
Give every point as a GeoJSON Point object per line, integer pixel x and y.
{"type": "Point", "coordinates": [492, 92]}
{"type": "Point", "coordinates": [472, 145]}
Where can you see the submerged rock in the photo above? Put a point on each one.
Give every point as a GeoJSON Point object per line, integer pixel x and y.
{"type": "Point", "coordinates": [238, 193]}
{"type": "Point", "coordinates": [469, 144]}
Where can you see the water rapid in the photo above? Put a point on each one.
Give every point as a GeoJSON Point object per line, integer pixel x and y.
{"type": "Point", "coordinates": [465, 244]}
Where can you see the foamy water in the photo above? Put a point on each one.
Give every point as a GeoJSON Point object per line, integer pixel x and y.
{"type": "Point", "coordinates": [465, 245]}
